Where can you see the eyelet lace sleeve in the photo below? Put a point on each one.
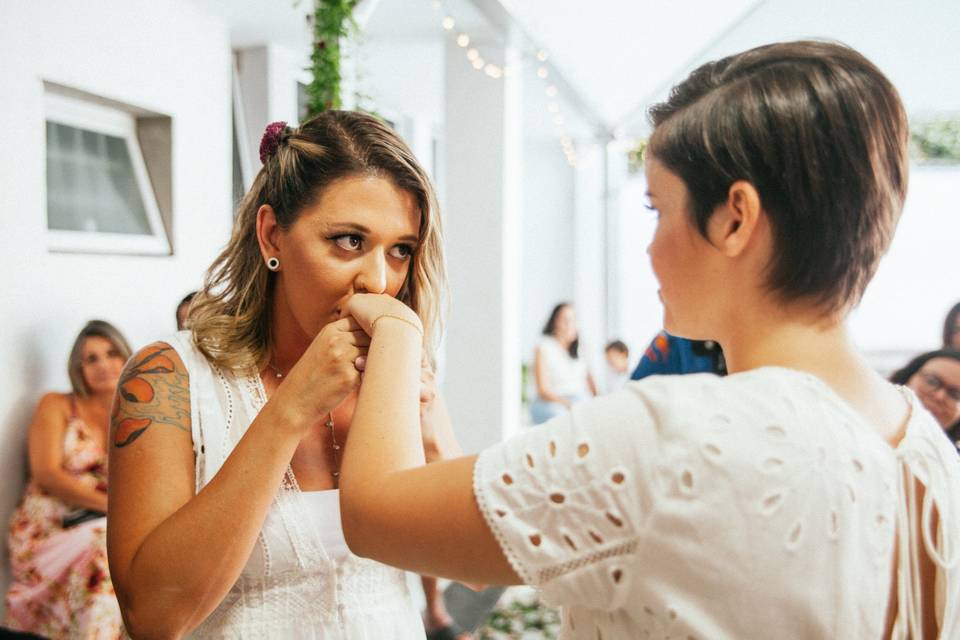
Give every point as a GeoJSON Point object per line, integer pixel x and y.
{"type": "Point", "coordinates": [567, 499]}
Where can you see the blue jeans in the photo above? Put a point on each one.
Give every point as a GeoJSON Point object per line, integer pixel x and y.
{"type": "Point", "coordinates": [542, 410]}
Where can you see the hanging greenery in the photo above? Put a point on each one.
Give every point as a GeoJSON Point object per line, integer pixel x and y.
{"type": "Point", "coordinates": [936, 141]}
{"type": "Point", "coordinates": [332, 21]}
{"type": "Point", "coordinates": [635, 158]}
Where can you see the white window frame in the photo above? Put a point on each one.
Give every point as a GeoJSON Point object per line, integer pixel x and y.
{"type": "Point", "coordinates": [102, 119]}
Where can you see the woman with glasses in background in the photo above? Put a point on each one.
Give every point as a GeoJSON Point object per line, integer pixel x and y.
{"type": "Point", "coordinates": [935, 378]}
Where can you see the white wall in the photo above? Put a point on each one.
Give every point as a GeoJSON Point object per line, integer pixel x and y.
{"type": "Point", "coordinates": [548, 237]}
{"type": "Point", "coordinates": [160, 55]}
{"type": "Point", "coordinates": [918, 281]}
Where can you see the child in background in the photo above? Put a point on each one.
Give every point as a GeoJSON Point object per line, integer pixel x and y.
{"type": "Point", "coordinates": [618, 363]}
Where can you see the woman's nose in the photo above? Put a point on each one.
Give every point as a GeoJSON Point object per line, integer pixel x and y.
{"type": "Point", "coordinates": [372, 277]}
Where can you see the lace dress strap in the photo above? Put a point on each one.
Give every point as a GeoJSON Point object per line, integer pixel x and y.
{"type": "Point", "coordinates": [924, 460]}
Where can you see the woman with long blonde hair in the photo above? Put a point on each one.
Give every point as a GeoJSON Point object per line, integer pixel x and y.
{"type": "Point", "coordinates": [227, 439]}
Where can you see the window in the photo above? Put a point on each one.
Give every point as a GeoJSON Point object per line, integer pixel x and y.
{"type": "Point", "coordinates": [99, 196]}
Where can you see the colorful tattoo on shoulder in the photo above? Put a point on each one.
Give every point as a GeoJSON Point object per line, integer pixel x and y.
{"type": "Point", "coordinates": [152, 390]}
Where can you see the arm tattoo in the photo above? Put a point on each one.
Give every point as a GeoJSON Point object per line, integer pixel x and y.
{"type": "Point", "coordinates": [152, 390]}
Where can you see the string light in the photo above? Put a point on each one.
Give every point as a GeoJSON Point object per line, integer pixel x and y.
{"type": "Point", "coordinates": [496, 72]}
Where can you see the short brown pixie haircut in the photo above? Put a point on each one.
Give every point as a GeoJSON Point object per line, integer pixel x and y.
{"type": "Point", "coordinates": [821, 134]}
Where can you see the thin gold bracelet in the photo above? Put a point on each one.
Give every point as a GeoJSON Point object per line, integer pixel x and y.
{"type": "Point", "coordinates": [401, 319]}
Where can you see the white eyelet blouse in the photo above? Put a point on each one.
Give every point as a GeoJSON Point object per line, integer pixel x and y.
{"type": "Point", "coordinates": [759, 505]}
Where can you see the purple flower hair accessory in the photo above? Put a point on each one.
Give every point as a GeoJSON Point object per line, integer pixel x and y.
{"type": "Point", "coordinates": [271, 139]}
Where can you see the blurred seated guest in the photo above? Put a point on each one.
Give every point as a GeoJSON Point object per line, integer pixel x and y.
{"type": "Point", "coordinates": [951, 328]}
{"type": "Point", "coordinates": [561, 377]}
{"type": "Point", "coordinates": [182, 309]}
{"type": "Point", "coordinates": [58, 554]}
{"type": "Point", "coordinates": [935, 378]}
{"type": "Point", "coordinates": [669, 354]}
{"type": "Point", "coordinates": [618, 363]}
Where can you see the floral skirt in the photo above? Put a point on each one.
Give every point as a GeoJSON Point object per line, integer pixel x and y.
{"type": "Point", "coordinates": [61, 582]}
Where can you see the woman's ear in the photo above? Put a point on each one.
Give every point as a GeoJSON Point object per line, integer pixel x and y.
{"type": "Point", "coordinates": [734, 223]}
{"type": "Point", "coordinates": [268, 231]}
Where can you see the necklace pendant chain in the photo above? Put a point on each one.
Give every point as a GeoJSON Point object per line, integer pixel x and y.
{"type": "Point", "coordinates": [336, 445]}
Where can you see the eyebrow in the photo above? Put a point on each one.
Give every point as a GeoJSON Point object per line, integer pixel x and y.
{"type": "Point", "coordinates": [359, 228]}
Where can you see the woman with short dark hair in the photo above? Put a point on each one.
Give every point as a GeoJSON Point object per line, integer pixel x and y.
{"type": "Point", "coordinates": [801, 496]}
{"type": "Point", "coordinates": [58, 556]}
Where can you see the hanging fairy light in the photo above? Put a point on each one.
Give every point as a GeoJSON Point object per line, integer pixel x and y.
{"type": "Point", "coordinates": [497, 72]}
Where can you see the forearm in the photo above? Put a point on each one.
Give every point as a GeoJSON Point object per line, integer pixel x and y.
{"type": "Point", "coordinates": [385, 431]}
{"type": "Point", "coordinates": [71, 490]}
{"type": "Point", "coordinates": [188, 563]}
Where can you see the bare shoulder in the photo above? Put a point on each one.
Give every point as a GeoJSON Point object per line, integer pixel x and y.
{"type": "Point", "coordinates": [54, 401]}
{"type": "Point", "coordinates": [53, 411]}
{"type": "Point", "coordinates": [153, 396]}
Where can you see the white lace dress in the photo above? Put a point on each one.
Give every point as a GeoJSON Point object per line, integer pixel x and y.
{"type": "Point", "coordinates": [292, 586]}
{"type": "Point", "coordinates": [754, 506]}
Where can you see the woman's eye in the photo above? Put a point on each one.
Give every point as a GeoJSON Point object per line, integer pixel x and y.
{"type": "Point", "coordinates": [402, 251]}
{"type": "Point", "coordinates": [349, 242]}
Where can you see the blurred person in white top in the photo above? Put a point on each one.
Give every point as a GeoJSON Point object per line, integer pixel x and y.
{"type": "Point", "coordinates": [562, 378]}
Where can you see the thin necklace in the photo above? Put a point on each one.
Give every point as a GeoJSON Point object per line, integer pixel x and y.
{"type": "Point", "coordinates": [335, 453]}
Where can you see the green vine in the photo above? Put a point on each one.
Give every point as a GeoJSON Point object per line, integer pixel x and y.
{"type": "Point", "coordinates": [523, 616]}
{"type": "Point", "coordinates": [332, 21]}
{"type": "Point", "coordinates": [936, 141]}
{"type": "Point", "coordinates": [635, 158]}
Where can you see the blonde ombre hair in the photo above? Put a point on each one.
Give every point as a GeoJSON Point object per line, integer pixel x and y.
{"type": "Point", "coordinates": [98, 329]}
{"type": "Point", "coordinates": [230, 317]}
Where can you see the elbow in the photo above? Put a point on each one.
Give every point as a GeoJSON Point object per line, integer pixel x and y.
{"type": "Point", "coordinates": [355, 521]}
{"type": "Point", "coordinates": [50, 480]}
{"type": "Point", "coordinates": [143, 620]}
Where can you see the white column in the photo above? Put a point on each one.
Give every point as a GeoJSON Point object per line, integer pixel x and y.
{"type": "Point", "coordinates": [482, 160]}
{"type": "Point", "coordinates": [590, 237]}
